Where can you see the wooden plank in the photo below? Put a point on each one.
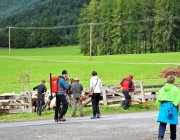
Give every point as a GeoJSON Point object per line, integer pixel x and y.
{"type": "Point", "coordinates": [4, 104]}
{"type": "Point", "coordinates": [30, 102]}
{"type": "Point", "coordinates": [104, 96]}
{"type": "Point", "coordinates": [22, 110]}
{"type": "Point", "coordinates": [19, 104]}
{"type": "Point", "coordinates": [151, 96]}
{"type": "Point", "coordinates": [4, 110]}
{"type": "Point", "coordinates": [142, 92]}
{"type": "Point", "coordinates": [2, 97]}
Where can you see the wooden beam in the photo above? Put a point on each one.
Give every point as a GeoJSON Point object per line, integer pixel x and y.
{"type": "Point", "coordinates": [104, 96]}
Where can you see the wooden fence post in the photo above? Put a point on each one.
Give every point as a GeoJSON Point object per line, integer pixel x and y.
{"type": "Point", "coordinates": [30, 101]}
{"type": "Point", "coordinates": [142, 92]}
{"type": "Point", "coordinates": [104, 96]}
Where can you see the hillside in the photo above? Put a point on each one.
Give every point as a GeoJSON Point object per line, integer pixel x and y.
{"type": "Point", "coordinates": [11, 7]}
{"type": "Point", "coordinates": [49, 13]}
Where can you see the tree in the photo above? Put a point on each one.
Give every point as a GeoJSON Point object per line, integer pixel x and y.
{"type": "Point", "coordinates": [163, 29]}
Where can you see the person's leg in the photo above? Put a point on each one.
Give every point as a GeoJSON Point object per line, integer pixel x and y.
{"type": "Point", "coordinates": [162, 129]}
{"type": "Point", "coordinates": [94, 105]}
{"type": "Point", "coordinates": [127, 98]}
{"type": "Point", "coordinates": [41, 102]}
{"type": "Point", "coordinates": [57, 107]}
{"type": "Point", "coordinates": [64, 107]}
{"type": "Point", "coordinates": [38, 103]}
{"type": "Point", "coordinates": [97, 107]}
{"type": "Point", "coordinates": [80, 107]}
{"type": "Point", "coordinates": [74, 107]}
{"type": "Point", "coordinates": [172, 132]}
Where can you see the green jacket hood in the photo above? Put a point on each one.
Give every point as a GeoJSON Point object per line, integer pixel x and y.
{"type": "Point", "coordinates": [167, 87]}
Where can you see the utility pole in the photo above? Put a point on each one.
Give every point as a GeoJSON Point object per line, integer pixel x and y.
{"type": "Point", "coordinates": [9, 40]}
{"type": "Point", "coordinates": [90, 53]}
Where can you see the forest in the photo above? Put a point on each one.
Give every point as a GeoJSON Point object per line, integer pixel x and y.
{"type": "Point", "coordinates": [118, 26]}
{"type": "Point", "coordinates": [49, 13]}
{"type": "Point", "coordinates": [129, 26]}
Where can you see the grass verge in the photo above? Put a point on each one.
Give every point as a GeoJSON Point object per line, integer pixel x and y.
{"type": "Point", "coordinates": [49, 114]}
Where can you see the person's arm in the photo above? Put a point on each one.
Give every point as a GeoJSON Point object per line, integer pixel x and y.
{"type": "Point", "coordinates": [45, 89]}
{"type": "Point", "coordinates": [91, 83]}
{"type": "Point", "coordinates": [64, 84]}
{"type": "Point", "coordinates": [81, 87]}
{"type": "Point", "coordinates": [35, 88]}
{"type": "Point", "coordinates": [100, 84]}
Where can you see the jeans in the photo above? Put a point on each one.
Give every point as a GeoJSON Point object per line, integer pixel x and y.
{"type": "Point", "coordinates": [95, 103]}
{"type": "Point", "coordinates": [75, 101]}
{"type": "Point", "coordinates": [162, 129]}
{"type": "Point", "coordinates": [127, 98]}
{"type": "Point", "coordinates": [40, 103]}
{"type": "Point", "coordinates": [61, 99]}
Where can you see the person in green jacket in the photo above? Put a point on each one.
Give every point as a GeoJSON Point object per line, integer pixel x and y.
{"type": "Point", "coordinates": [168, 97]}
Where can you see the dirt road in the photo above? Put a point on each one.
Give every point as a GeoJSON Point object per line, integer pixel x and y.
{"type": "Point", "coordinates": [131, 126]}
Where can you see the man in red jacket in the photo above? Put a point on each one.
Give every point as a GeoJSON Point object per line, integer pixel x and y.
{"type": "Point", "coordinates": [127, 85]}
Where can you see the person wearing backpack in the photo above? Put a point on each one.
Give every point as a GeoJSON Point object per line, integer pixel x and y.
{"type": "Point", "coordinates": [127, 85]}
{"type": "Point", "coordinates": [40, 98]}
{"type": "Point", "coordinates": [76, 90]}
{"type": "Point", "coordinates": [96, 86]}
{"type": "Point", "coordinates": [61, 98]}
{"type": "Point", "coordinates": [168, 97]}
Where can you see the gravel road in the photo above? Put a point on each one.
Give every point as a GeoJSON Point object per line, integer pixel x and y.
{"type": "Point", "coordinates": [131, 126]}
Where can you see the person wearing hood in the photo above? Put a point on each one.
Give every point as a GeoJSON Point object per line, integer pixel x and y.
{"type": "Point", "coordinates": [127, 85]}
{"type": "Point", "coordinates": [96, 85]}
{"type": "Point", "coordinates": [168, 97]}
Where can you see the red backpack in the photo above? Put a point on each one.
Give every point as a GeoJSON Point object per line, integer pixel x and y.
{"type": "Point", "coordinates": [54, 84]}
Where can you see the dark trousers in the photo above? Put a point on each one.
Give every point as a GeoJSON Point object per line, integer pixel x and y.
{"type": "Point", "coordinates": [127, 98]}
{"type": "Point", "coordinates": [61, 99]}
{"type": "Point", "coordinates": [95, 103]}
{"type": "Point", "coordinates": [162, 129]}
{"type": "Point", "coordinates": [40, 103]}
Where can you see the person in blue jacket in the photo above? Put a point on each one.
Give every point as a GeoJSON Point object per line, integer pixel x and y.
{"type": "Point", "coordinates": [61, 98]}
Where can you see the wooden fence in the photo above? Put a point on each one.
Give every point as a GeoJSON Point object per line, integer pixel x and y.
{"type": "Point", "coordinates": [15, 103]}
{"type": "Point", "coordinates": [113, 94]}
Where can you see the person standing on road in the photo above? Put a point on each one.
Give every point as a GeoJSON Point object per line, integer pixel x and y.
{"type": "Point", "coordinates": [96, 85]}
{"type": "Point", "coordinates": [61, 98]}
{"type": "Point", "coordinates": [127, 85]}
{"type": "Point", "coordinates": [168, 97]}
{"type": "Point", "coordinates": [76, 90]}
{"type": "Point", "coordinates": [40, 99]}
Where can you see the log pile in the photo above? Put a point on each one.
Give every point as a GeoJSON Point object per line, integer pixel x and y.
{"type": "Point", "coordinates": [175, 71]}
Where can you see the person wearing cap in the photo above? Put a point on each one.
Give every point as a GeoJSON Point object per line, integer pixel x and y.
{"type": "Point", "coordinates": [96, 85]}
{"type": "Point", "coordinates": [127, 85]}
{"type": "Point", "coordinates": [40, 98]}
{"type": "Point", "coordinates": [168, 97]}
{"type": "Point", "coordinates": [76, 90]}
{"type": "Point", "coordinates": [61, 98]}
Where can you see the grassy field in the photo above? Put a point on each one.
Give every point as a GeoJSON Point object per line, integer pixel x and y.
{"type": "Point", "coordinates": [111, 68]}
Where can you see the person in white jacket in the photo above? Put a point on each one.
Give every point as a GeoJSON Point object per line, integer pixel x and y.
{"type": "Point", "coordinates": [96, 85]}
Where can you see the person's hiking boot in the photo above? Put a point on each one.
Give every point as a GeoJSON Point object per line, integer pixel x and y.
{"type": "Point", "coordinates": [126, 107]}
{"type": "Point", "coordinates": [74, 115]}
{"type": "Point", "coordinates": [93, 117]}
{"type": "Point", "coordinates": [81, 115]}
{"type": "Point", "coordinates": [98, 115]}
{"type": "Point", "coordinates": [122, 103]}
{"type": "Point", "coordinates": [62, 119]}
{"type": "Point", "coordinates": [160, 138]}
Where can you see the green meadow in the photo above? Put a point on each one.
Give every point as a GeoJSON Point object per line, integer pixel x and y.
{"type": "Point", "coordinates": [111, 68]}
